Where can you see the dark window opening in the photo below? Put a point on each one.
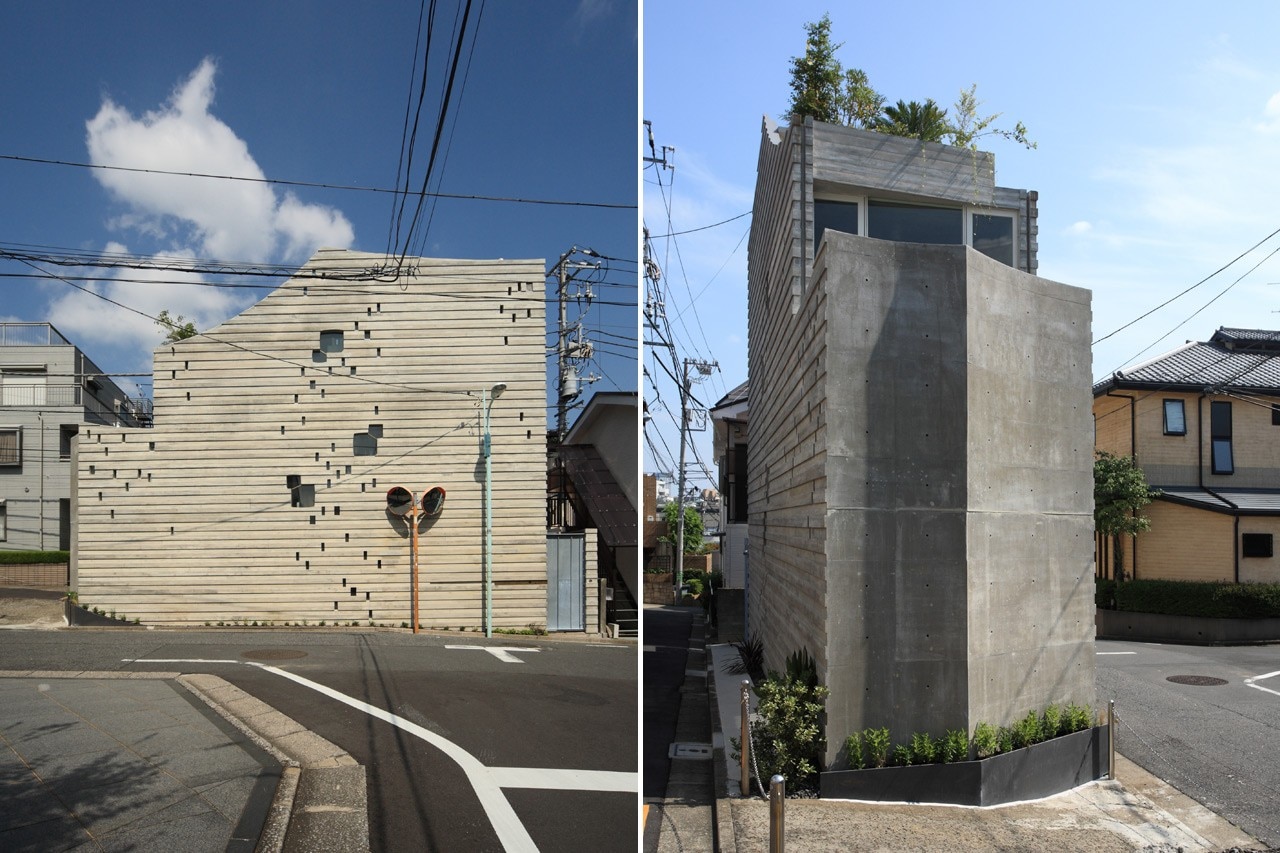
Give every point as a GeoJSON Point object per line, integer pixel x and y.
{"type": "Point", "coordinates": [66, 432]}
{"type": "Point", "coordinates": [836, 215]}
{"type": "Point", "coordinates": [1220, 431]}
{"type": "Point", "coordinates": [909, 223]}
{"type": "Point", "coordinates": [331, 340]}
{"type": "Point", "coordinates": [363, 444]}
{"type": "Point", "coordinates": [1255, 545]}
{"type": "Point", "coordinates": [993, 237]}
{"type": "Point", "coordinates": [1175, 418]}
{"type": "Point", "coordinates": [1275, 414]}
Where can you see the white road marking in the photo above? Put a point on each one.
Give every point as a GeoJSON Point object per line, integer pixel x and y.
{"type": "Point", "coordinates": [1117, 653]}
{"type": "Point", "coordinates": [487, 782]}
{"type": "Point", "coordinates": [502, 653]}
{"type": "Point", "coordinates": [1250, 682]}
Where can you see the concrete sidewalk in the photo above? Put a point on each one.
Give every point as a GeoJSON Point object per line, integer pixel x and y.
{"type": "Point", "coordinates": [148, 761]}
{"type": "Point", "coordinates": [1136, 812]}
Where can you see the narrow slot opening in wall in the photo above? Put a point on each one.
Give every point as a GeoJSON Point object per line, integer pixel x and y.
{"type": "Point", "coordinates": [282, 429]}
{"type": "Point", "coordinates": [379, 564]}
{"type": "Point", "coordinates": [375, 409]}
{"type": "Point", "coordinates": [366, 556]}
{"type": "Point", "coordinates": [337, 510]}
{"type": "Point", "coordinates": [148, 476]}
{"type": "Point", "coordinates": [367, 334]}
{"type": "Point", "coordinates": [307, 565]}
{"type": "Point", "coordinates": [93, 469]}
{"type": "Point", "coordinates": [346, 537]}
{"type": "Point", "coordinates": [304, 420]}
{"type": "Point", "coordinates": [522, 417]}
{"type": "Point", "coordinates": [368, 312]}
{"type": "Point", "coordinates": [377, 353]}
{"type": "Point", "coordinates": [186, 365]}
{"type": "Point", "coordinates": [370, 614]}
{"type": "Point", "coordinates": [357, 325]}
{"type": "Point", "coordinates": [151, 445]}
{"type": "Point", "coordinates": [295, 398]}
{"type": "Point", "coordinates": [366, 598]}
{"type": "Point", "coordinates": [113, 513]}
{"type": "Point", "coordinates": [353, 592]}
{"type": "Point", "coordinates": [313, 385]}
{"type": "Point", "coordinates": [347, 469]}
{"type": "Point", "coordinates": [321, 547]}
{"type": "Point", "coordinates": [505, 342]}
{"type": "Point", "coordinates": [353, 370]}
{"type": "Point", "coordinates": [335, 605]}
{"type": "Point", "coordinates": [321, 393]}
{"type": "Point", "coordinates": [312, 520]}
{"type": "Point", "coordinates": [528, 313]}
{"type": "Point", "coordinates": [528, 433]}
{"type": "Point", "coordinates": [297, 556]}
{"type": "Point", "coordinates": [171, 531]}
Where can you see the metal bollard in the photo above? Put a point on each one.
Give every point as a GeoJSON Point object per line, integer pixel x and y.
{"type": "Point", "coordinates": [743, 759]}
{"type": "Point", "coordinates": [777, 831]}
{"type": "Point", "coordinates": [1111, 740]}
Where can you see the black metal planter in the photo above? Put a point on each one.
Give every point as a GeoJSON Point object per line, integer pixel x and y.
{"type": "Point", "coordinates": [1035, 771]}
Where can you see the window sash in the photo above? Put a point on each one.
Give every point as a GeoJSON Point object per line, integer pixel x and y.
{"type": "Point", "coordinates": [1175, 418]}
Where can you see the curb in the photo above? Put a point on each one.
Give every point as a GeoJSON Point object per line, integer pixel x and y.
{"type": "Point", "coordinates": [321, 802]}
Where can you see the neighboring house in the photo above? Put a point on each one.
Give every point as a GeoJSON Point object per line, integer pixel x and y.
{"type": "Point", "coordinates": [1203, 423]}
{"type": "Point", "coordinates": [919, 476]}
{"type": "Point", "coordinates": [600, 457]}
{"type": "Point", "coordinates": [729, 436]}
{"type": "Point", "coordinates": [48, 390]}
{"type": "Point", "coordinates": [261, 492]}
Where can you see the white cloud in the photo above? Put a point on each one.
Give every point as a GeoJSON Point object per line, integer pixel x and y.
{"type": "Point", "coordinates": [229, 220]}
{"type": "Point", "coordinates": [1081, 227]}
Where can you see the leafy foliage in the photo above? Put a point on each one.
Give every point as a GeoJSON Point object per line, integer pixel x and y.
{"type": "Point", "coordinates": [927, 121]}
{"type": "Point", "coordinates": [877, 741]}
{"type": "Point", "coordinates": [1200, 598]}
{"type": "Point", "coordinates": [985, 742]}
{"type": "Point", "coordinates": [802, 667]}
{"type": "Point", "coordinates": [9, 558]}
{"type": "Point", "coordinates": [788, 738]}
{"type": "Point", "coordinates": [967, 126]}
{"type": "Point", "coordinates": [901, 755]}
{"type": "Point", "coordinates": [954, 746]}
{"type": "Point", "coordinates": [816, 77]}
{"type": "Point", "coordinates": [854, 748]}
{"type": "Point", "coordinates": [1026, 731]}
{"type": "Point", "coordinates": [924, 749]}
{"type": "Point", "coordinates": [1078, 718]}
{"type": "Point", "coordinates": [692, 526]}
{"type": "Point", "coordinates": [750, 658]}
{"type": "Point", "coordinates": [1120, 490]}
{"type": "Point", "coordinates": [177, 327]}
{"type": "Point", "coordinates": [1051, 722]}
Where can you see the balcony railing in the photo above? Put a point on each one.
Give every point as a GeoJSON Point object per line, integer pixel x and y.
{"type": "Point", "coordinates": [37, 396]}
{"type": "Point", "coordinates": [31, 335]}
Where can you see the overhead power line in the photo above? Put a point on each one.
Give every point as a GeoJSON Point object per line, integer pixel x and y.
{"type": "Point", "coordinates": [324, 186]}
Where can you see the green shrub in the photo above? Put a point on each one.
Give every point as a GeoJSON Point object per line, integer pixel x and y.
{"type": "Point", "coordinates": [1104, 593]}
{"type": "Point", "coordinates": [854, 749]}
{"type": "Point", "coordinates": [1004, 739]}
{"type": "Point", "coordinates": [954, 746]}
{"type": "Point", "coordinates": [901, 755]}
{"type": "Point", "coordinates": [9, 558]}
{"type": "Point", "coordinates": [1026, 731]}
{"type": "Point", "coordinates": [924, 749]}
{"type": "Point", "coordinates": [787, 736]}
{"type": "Point", "coordinates": [986, 742]}
{"type": "Point", "coordinates": [877, 741]}
{"type": "Point", "coordinates": [694, 585]}
{"type": "Point", "coordinates": [1051, 722]}
{"type": "Point", "coordinates": [1078, 718]}
{"type": "Point", "coordinates": [802, 667]}
{"type": "Point", "coordinates": [1196, 598]}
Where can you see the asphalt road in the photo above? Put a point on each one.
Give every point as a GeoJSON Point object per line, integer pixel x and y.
{"type": "Point", "coordinates": [1216, 742]}
{"type": "Point", "coordinates": [568, 706]}
{"type": "Point", "coordinates": [666, 651]}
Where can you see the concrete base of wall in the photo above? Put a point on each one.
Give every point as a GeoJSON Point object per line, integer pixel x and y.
{"type": "Point", "coordinates": [1192, 630]}
{"type": "Point", "coordinates": [1025, 774]}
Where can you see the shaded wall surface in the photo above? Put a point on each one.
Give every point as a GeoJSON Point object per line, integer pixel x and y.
{"type": "Point", "coordinates": [261, 492]}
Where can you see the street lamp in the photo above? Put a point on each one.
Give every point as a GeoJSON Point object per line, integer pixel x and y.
{"type": "Point", "coordinates": [486, 403]}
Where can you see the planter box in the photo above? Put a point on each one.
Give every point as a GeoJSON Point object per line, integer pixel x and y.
{"type": "Point", "coordinates": [1025, 774]}
{"type": "Point", "coordinates": [1193, 630]}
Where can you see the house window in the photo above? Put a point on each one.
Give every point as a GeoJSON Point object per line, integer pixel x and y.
{"type": "Point", "coordinates": [993, 236]}
{"type": "Point", "coordinates": [66, 433]}
{"type": "Point", "coordinates": [1175, 418]}
{"type": "Point", "coordinates": [364, 444]}
{"type": "Point", "coordinates": [10, 446]}
{"type": "Point", "coordinates": [836, 215]}
{"type": "Point", "coordinates": [1255, 545]}
{"type": "Point", "coordinates": [913, 223]}
{"type": "Point", "coordinates": [4, 522]}
{"type": "Point", "coordinates": [22, 387]}
{"type": "Point", "coordinates": [1220, 433]}
{"type": "Point", "coordinates": [331, 340]}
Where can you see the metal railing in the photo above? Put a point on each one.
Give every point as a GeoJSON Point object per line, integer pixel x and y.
{"type": "Point", "coordinates": [31, 335]}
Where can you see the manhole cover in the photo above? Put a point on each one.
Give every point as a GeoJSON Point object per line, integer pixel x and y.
{"type": "Point", "coordinates": [1197, 680]}
{"type": "Point", "coordinates": [273, 654]}
{"type": "Point", "coordinates": [690, 750]}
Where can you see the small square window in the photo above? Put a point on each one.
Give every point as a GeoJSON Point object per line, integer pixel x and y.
{"type": "Point", "coordinates": [1255, 545]}
{"type": "Point", "coordinates": [331, 340]}
{"type": "Point", "coordinates": [1175, 417]}
{"type": "Point", "coordinates": [11, 446]}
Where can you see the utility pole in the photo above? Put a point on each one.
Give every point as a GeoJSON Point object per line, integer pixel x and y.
{"type": "Point", "coordinates": [568, 380]}
{"type": "Point", "coordinates": [703, 368]}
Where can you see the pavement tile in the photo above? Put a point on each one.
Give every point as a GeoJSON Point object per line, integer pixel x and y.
{"type": "Point", "coordinates": [201, 833]}
{"type": "Point", "coordinates": [57, 834]}
{"type": "Point", "coordinates": [228, 796]}
{"type": "Point", "coordinates": [140, 801]}
{"type": "Point", "coordinates": [209, 765]}
{"type": "Point", "coordinates": [65, 774]}
{"type": "Point", "coordinates": [25, 804]}
{"type": "Point", "coordinates": [37, 746]}
{"type": "Point", "coordinates": [171, 740]}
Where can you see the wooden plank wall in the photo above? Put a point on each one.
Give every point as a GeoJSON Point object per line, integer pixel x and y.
{"type": "Point", "coordinates": [191, 522]}
{"type": "Point", "coordinates": [786, 362]}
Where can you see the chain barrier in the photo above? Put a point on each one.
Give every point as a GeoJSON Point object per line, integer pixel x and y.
{"type": "Point", "coordinates": [751, 750]}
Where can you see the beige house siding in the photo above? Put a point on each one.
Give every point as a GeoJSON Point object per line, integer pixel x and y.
{"type": "Point", "coordinates": [1185, 544]}
{"type": "Point", "coordinates": [192, 521]}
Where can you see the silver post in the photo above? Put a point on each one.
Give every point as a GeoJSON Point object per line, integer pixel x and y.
{"type": "Point", "coordinates": [777, 832]}
{"type": "Point", "coordinates": [746, 738]}
{"type": "Point", "coordinates": [1111, 740]}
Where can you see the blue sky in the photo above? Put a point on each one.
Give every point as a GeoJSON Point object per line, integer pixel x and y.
{"type": "Point", "coordinates": [312, 92]}
{"type": "Point", "coordinates": [1158, 127]}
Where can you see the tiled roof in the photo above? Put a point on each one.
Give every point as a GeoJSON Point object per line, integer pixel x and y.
{"type": "Point", "coordinates": [1233, 359]}
{"type": "Point", "coordinates": [737, 395]}
{"type": "Point", "coordinates": [612, 512]}
{"type": "Point", "coordinates": [1230, 501]}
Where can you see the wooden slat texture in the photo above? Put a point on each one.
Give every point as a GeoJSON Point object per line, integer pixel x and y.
{"type": "Point", "coordinates": [192, 522]}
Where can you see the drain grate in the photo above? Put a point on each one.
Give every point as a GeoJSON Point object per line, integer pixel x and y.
{"type": "Point", "coordinates": [273, 654]}
{"type": "Point", "coordinates": [1197, 680]}
{"type": "Point", "coordinates": [699, 751]}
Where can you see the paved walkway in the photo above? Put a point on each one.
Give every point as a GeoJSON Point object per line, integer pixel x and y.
{"type": "Point", "coordinates": [125, 764]}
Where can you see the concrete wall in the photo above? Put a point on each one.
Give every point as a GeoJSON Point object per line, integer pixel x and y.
{"type": "Point", "coordinates": [921, 451]}
{"type": "Point", "coordinates": [192, 521]}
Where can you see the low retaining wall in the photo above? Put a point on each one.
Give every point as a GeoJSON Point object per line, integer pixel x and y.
{"type": "Point", "coordinates": [1192, 630]}
{"type": "Point", "coordinates": [1025, 774]}
{"type": "Point", "coordinates": [658, 588]}
{"type": "Point", "coordinates": [36, 575]}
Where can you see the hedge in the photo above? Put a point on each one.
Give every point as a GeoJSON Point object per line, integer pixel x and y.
{"type": "Point", "coordinates": [11, 558]}
{"type": "Point", "coordinates": [1192, 598]}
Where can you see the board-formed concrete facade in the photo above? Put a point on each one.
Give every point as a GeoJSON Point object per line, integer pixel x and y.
{"type": "Point", "coordinates": [921, 450]}
{"type": "Point", "coordinates": [260, 493]}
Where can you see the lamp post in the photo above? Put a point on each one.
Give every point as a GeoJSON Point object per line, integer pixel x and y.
{"type": "Point", "coordinates": [486, 403]}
